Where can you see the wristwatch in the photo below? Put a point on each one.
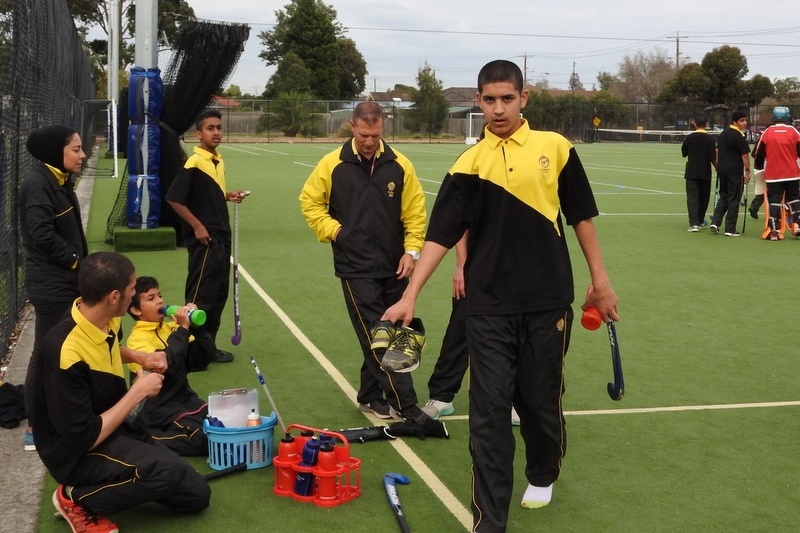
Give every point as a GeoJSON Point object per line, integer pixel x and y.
{"type": "Point", "coordinates": [414, 254]}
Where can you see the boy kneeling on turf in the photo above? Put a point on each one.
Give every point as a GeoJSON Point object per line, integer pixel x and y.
{"type": "Point", "coordinates": [175, 416]}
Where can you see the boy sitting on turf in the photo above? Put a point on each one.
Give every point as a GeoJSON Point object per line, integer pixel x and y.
{"type": "Point", "coordinates": [175, 416]}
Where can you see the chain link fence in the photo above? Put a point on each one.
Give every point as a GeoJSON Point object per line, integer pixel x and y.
{"type": "Point", "coordinates": [45, 78]}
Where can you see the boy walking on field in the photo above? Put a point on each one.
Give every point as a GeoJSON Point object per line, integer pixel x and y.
{"type": "Point", "coordinates": [510, 191]}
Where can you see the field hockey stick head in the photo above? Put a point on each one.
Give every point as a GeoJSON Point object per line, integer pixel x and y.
{"type": "Point", "coordinates": [616, 390]}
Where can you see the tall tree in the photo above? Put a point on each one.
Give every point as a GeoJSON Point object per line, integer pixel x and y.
{"type": "Point", "coordinates": [786, 89]}
{"type": "Point", "coordinates": [718, 80]}
{"type": "Point", "coordinates": [308, 28]}
{"type": "Point", "coordinates": [292, 75]}
{"type": "Point", "coordinates": [430, 108]}
{"type": "Point", "coordinates": [642, 76]}
{"type": "Point", "coordinates": [575, 82]}
{"type": "Point", "coordinates": [606, 80]}
{"type": "Point", "coordinates": [354, 69]}
{"type": "Point", "coordinates": [726, 68]}
{"type": "Point", "coordinates": [90, 14]}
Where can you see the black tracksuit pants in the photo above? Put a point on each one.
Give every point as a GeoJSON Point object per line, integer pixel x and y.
{"type": "Point", "coordinates": [208, 279]}
{"type": "Point", "coordinates": [123, 472]}
{"type": "Point", "coordinates": [730, 194]}
{"type": "Point", "coordinates": [367, 300]}
{"type": "Point", "coordinates": [515, 359]}
{"type": "Point", "coordinates": [453, 360]}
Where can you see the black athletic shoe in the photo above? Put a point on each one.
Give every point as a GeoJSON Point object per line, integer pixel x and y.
{"type": "Point", "coordinates": [378, 407]}
{"type": "Point", "coordinates": [753, 213]}
{"type": "Point", "coordinates": [221, 356]}
{"type": "Point", "coordinates": [714, 229]}
{"type": "Point", "coordinates": [414, 414]}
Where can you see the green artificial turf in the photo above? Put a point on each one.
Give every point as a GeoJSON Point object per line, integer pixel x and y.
{"type": "Point", "coordinates": [706, 323]}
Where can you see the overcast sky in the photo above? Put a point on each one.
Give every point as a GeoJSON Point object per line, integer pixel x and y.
{"type": "Point", "coordinates": [546, 39]}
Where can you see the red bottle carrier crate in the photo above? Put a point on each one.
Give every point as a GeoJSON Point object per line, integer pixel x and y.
{"type": "Point", "coordinates": [336, 480]}
{"type": "Point", "coordinates": [254, 445]}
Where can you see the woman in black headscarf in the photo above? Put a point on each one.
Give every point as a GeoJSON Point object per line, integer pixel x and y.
{"type": "Point", "coordinates": [52, 234]}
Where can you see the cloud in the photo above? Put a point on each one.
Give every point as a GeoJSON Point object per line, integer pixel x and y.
{"type": "Point", "coordinates": [457, 38]}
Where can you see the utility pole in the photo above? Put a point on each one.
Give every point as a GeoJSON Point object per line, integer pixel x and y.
{"type": "Point", "coordinates": [525, 68]}
{"type": "Point", "coordinates": [677, 50]}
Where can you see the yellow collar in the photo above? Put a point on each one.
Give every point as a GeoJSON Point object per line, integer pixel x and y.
{"type": "Point", "coordinates": [61, 177]}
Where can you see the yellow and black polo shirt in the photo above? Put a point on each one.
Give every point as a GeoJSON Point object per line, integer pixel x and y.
{"type": "Point", "coordinates": [79, 377]}
{"type": "Point", "coordinates": [200, 186]}
{"type": "Point", "coordinates": [510, 194]}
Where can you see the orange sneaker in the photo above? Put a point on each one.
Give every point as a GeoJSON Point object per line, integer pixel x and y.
{"type": "Point", "coordinates": [79, 518]}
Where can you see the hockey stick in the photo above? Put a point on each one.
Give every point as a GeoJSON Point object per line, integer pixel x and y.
{"type": "Point", "coordinates": [269, 396]}
{"type": "Point", "coordinates": [237, 318]}
{"type": "Point", "coordinates": [241, 467]}
{"type": "Point", "coordinates": [616, 390]}
{"type": "Point", "coordinates": [744, 218]}
{"type": "Point", "coordinates": [389, 483]}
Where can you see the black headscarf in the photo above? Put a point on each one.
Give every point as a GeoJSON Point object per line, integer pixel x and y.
{"type": "Point", "coordinates": [47, 144]}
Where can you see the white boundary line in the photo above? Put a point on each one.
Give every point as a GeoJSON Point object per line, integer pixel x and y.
{"type": "Point", "coordinates": [665, 409]}
{"type": "Point", "coordinates": [441, 491]}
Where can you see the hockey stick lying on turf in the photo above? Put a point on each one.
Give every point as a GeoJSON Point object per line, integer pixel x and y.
{"type": "Point", "coordinates": [237, 319]}
{"type": "Point", "coordinates": [241, 467]}
{"type": "Point", "coordinates": [389, 481]}
{"type": "Point", "coordinates": [616, 390]}
{"type": "Point", "coordinates": [269, 396]}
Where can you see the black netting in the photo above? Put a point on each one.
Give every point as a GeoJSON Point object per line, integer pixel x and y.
{"type": "Point", "coordinates": [45, 78]}
{"type": "Point", "coordinates": [203, 57]}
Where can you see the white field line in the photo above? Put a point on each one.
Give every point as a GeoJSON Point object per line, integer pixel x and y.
{"type": "Point", "coordinates": [266, 150]}
{"type": "Point", "coordinates": [642, 214]}
{"type": "Point", "coordinates": [666, 409]}
{"type": "Point", "coordinates": [441, 491]}
{"type": "Point", "coordinates": [632, 188]}
{"type": "Point", "coordinates": [229, 147]}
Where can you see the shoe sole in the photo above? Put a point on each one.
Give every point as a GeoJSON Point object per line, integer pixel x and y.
{"type": "Point", "coordinates": [366, 409]}
{"type": "Point", "coordinates": [390, 368]}
{"type": "Point", "coordinates": [30, 447]}
{"type": "Point", "coordinates": [438, 413]}
{"type": "Point", "coordinates": [60, 512]}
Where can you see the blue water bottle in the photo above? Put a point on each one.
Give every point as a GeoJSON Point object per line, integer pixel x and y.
{"type": "Point", "coordinates": [304, 485]}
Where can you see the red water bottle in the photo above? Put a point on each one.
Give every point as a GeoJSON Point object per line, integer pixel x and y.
{"type": "Point", "coordinates": [287, 457]}
{"type": "Point", "coordinates": [327, 494]}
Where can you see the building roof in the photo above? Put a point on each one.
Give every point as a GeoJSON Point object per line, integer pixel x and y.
{"type": "Point", "coordinates": [219, 102]}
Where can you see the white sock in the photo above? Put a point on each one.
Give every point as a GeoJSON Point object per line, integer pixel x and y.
{"type": "Point", "coordinates": [537, 497]}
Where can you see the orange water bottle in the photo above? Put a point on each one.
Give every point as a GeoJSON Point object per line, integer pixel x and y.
{"type": "Point", "coordinates": [255, 448]}
{"type": "Point", "coordinates": [327, 494]}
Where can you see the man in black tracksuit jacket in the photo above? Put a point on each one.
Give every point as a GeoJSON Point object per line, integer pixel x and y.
{"type": "Point", "coordinates": [366, 200]}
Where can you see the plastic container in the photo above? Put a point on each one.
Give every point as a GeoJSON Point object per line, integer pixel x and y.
{"type": "Point", "coordinates": [232, 446]}
{"type": "Point", "coordinates": [285, 476]}
{"type": "Point", "coordinates": [336, 476]}
{"type": "Point", "coordinates": [231, 406]}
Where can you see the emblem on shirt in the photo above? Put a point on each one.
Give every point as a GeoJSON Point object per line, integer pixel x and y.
{"type": "Point", "coordinates": [544, 162]}
{"type": "Point", "coordinates": [390, 189]}
{"type": "Point", "coordinates": [560, 324]}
